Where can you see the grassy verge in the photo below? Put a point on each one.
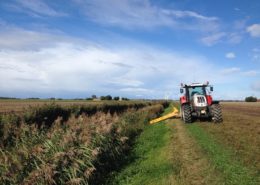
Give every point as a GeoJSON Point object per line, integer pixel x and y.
{"type": "Point", "coordinates": [150, 160]}
{"type": "Point", "coordinates": [233, 171]}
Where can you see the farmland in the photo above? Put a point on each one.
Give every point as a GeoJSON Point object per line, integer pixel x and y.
{"type": "Point", "coordinates": [75, 142]}
{"type": "Point", "coordinates": [17, 105]}
{"type": "Point", "coordinates": [199, 153]}
{"type": "Point", "coordinates": [240, 132]}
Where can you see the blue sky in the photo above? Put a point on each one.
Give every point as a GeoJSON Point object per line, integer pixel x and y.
{"type": "Point", "coordinates": [133, 48]}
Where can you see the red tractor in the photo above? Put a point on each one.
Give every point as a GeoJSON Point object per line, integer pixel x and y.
{"type": "Point", "coordinates": [197, 102]}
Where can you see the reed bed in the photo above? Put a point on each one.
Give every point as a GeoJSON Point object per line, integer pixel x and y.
{"type": "Point", "coordinates": [72, 145]}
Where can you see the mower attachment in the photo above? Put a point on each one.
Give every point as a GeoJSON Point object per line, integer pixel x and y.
{"type": "Point", "coordinates": [174, 114]}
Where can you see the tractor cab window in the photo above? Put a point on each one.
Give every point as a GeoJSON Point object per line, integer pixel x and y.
{"type": "Point", "coordinates": [196, 90]}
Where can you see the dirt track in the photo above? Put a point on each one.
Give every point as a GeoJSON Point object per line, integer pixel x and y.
{"type": "Point", "coordinates": [195, 169]}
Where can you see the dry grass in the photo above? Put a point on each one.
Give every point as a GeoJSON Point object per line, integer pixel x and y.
{"type": "Point", "coordinates": [240, 131]}
{"type": "Point", "coordinates": [7, 106]}
{"type": "Point", "coordinates": [21, 105]}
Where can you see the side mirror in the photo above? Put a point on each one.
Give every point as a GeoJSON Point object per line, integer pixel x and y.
{"type": "Point", "coordinates": [211, 88]}
{"type": "Point", "coordinates": [181, 91]}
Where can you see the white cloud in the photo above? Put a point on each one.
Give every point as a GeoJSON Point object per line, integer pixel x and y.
{"type": "Point", "coordinates": [229, 71]}
{"type": "Point", "coordinates": [16, 38]}
{"type": "Point", "coordinates": [255, 55]}
{"type": "Point", "coordinates": [70, 65]}
{"type": "Point", "coordinates": [213, 38]}
{"type": "Point", "coordinates": [251, 73]}
{"type": "Point", "coordinates": [35, 8]}
{"type": "Point", "coordinates": [126, 82]}
{"type": "Point", "coordinates": [235, 38]}
{"type": "Point", "coordinates": [254, 30]}
{"type": "Point", "coordinates": [136, 90]}
{"type": "Point", "coordinates": [230, 55]}
{"type": "Point", "coordinates": [56, 65]}
{"type": "Point", "coordinates": [189, 14]}
{"type": "Point", "coordinates": [143, 14]}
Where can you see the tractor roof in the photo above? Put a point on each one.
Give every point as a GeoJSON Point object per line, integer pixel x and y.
{"type": "Point", "coordinates": [196, 85]}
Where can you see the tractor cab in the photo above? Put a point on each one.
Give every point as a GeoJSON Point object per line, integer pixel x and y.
{"type": "Point", "coordinates": [197, 91]}
{"type": "Point", "coordinates": [196, 101]}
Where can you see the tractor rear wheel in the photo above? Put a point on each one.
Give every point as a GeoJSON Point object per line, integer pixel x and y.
{"type": "Point", "coordinates": [216, 113]}
{"type": "Point", "coordinates": [186, 113]}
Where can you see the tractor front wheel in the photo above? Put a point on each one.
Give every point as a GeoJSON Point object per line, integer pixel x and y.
{"type": "Point", "coordinates": [186, 113]}
{"type": "Point", "coordinates": [216, 113]}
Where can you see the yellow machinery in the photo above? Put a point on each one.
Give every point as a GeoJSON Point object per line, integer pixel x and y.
{"type": "Point", "coordinates": [174, 114]}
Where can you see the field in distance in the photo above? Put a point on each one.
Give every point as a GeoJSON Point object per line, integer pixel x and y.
{"type": "Point", "coordinates": [19, 105]}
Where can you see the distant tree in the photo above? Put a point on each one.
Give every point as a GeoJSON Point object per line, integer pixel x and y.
{"type": "Point", "coordinates": [125, 98]}
{"type": "Point", "coordinates": [8, 98]}
{"type": "Point", "coordinates": [89, 98]}
{"type": "Point", "coordinates": [78, 99]}
{"type": "Point", "coordinates": [32, 98]}
{"type": "Point", "coordinates": [52, 98]}
{"type": "Point", "coordinates": [94, 96]}
{"type": "Point", "coordinates": [108, 97]}
{"type": "Point", "coordinates": [251, 99]}
{"type": "Point", "coordinates": [116, 98]}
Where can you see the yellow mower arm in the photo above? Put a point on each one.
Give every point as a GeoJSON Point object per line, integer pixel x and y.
{"type": "Point", "coordinates": [174, 114]}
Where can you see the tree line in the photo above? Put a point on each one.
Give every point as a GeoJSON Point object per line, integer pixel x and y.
{"type": "Point", "coordinates": [251, 99]}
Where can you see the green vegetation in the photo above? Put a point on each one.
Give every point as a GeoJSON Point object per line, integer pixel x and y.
{"type": "Point", "coordinates": [233, 171]}
{"type": "Point", "coordinates": [116, 98]}
{"type": "Point", "coordinates": [150, 161]}
{"type": "Point", "coordinates": [108, 97]}
{"type": "Point", "coordinates": [251, 99]}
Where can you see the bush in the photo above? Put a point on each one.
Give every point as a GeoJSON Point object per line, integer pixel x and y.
{"type": "Point", "coordinates": [108, 97]}
{"type": "Point", "coordinates": [251, 99]}
{"type": "Point", "coordinates": [116, 98]}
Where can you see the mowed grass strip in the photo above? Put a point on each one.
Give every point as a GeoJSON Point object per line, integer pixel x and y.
{"type": "Point", "coordinates": [240, 132]}
{"type": "Point", "coordinates": [233, 171]}
{"type": "Point", "coordinates": [150, 160]}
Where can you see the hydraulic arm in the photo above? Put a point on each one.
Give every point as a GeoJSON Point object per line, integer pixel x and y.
{"type": "Point", "coordinates": [174, 114]}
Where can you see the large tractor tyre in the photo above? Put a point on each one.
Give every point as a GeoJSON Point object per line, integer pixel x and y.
{"type": "Point", "coordinates": [216, 113]}
{"type": "Point", "coordinates": [186, 113]}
